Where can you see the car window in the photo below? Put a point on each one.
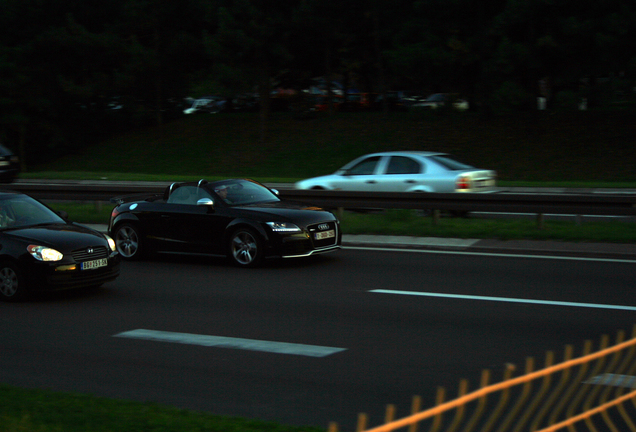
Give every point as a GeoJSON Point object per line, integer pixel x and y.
{"type": "Point", "coordinates": [437, 97]}
{"type": "Point", "coordinates": [403, 165]}
{"type": "Point", "coordinates": [23, 211]}
{"type": "Point", "coordinates": [450, 163]}
{"type": "Point", "coordinates": [187, 195]}
{"type": "Point", "coordinates": [364, 167]}
{"type": "Point", "coordinates": [243, 192]}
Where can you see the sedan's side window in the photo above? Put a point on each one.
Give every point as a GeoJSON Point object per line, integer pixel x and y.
{"type": "Point", "coordinates": [364, 167]}
{"type": "Point", "coordinates": [403, 165]}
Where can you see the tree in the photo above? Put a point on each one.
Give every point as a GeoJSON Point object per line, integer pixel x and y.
{"type": "Point", "coordinates": [253, 36]}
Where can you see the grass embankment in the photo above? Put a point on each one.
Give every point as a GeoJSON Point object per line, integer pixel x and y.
{"type": "Point", "coordinates": [573, 149]}
{"type": "Point", "coordinates": [23, 410]}
{"type": "Point", "coordinates": [592, 147]}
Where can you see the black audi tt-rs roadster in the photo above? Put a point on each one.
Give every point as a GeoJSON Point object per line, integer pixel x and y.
{"type": "Point", "coordinates": [239, 218]}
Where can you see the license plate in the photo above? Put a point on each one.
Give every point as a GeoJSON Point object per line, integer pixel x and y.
{"type": "Point", "coordinates": [325, 234]}
{"type": "Point", "coordinates": [89, 265]}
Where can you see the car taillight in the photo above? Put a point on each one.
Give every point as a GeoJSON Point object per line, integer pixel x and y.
{"type": "Point", "coordinates": [114, 213]}
{"type": "Point", "coordinates": [462, 182]}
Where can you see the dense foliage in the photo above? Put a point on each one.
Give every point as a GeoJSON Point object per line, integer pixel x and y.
{"type": "Point", "coordinates": [72, 72]}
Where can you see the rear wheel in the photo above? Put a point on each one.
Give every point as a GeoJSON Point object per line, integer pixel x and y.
{"type": "Point", "coordinates": [246, 248]}
{"type": "Point", "coordinates": [128, 241]}
{"type": "Point", "coordinates": [11, 282]}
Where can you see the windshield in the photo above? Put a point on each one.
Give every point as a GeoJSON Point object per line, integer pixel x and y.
{"type": "Point", "coordinates": [242, 192]}
{"type": "Point", "coordinates": [18, 211]}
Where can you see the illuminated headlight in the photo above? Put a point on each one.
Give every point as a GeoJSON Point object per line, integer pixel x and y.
{"type": "Point", "coordinates": [111, 243]}
{"type": "Point", "coordinates": [43, 253]}
{"type": "Point", "coordinates": [285, 227]}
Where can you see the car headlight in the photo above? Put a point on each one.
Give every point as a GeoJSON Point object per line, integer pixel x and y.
{"type": "Point", "coordinates": [286, 227]}
{"type": "Point", "coordinates": [43, 253]}
{"type": "Point", "coordinates": [111, 243]}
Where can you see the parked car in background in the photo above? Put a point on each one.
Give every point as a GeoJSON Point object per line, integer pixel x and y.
{"type": "Point", "coordinates": [41, 250]}
{"type": "Point", "coordinates": [439, 100]}
{"type": "Point", "coordinates": [208, 104]}
{"type": "Point", "coordinates": [9, 165]}
{"type": "Point", "coordinates": [405, 171]}
{"type": "Point", "coordinates": [239, 219]}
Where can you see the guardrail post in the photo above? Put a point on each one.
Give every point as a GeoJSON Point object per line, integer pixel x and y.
{"type": "Point", "coordinates": [540, 221]}
{"type": "Point", "coordinates": [436, 215]}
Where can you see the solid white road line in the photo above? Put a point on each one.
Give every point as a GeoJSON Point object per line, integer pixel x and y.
{"type": "Point", "coordinates": [229, 342]}
{"type": "Point", "coordinates": [493, 254]}
{"type": "Point", "coordinates": [505, 299]}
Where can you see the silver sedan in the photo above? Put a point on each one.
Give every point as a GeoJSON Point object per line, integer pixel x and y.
{"type": "Point", "coordinates": [405, 171]}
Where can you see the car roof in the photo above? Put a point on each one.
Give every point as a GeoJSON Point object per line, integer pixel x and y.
{"type": "Point", "coordinates": [407, 153]}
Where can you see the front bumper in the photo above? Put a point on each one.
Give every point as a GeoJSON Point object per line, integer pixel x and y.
{"type": "Point", "coordinates": [44, 276]}
{"type": "Point", "coordinates": [305, 244]}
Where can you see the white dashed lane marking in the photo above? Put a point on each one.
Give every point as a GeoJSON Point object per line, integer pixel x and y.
{"type": "Point", "coordinates": [232, 343]}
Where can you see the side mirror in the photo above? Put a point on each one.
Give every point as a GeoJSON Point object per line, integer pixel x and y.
{"type": "Point", "coordinates": [275, 191]}
{"type": "Point", "coordinates": [62, 214]}
{"type": "Point", "coordinates": [206, 202]}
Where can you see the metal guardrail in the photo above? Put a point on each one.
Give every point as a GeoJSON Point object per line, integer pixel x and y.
{"type": "Point", "coordinates": [569, 204]}
{"type": "Point", "coordinates": [80, 191]}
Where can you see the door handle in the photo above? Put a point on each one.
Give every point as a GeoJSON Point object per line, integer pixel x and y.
{"type": "Point", "coordinates": [371, 181]}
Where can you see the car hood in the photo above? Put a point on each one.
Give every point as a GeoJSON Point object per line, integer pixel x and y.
{"type": "Point", "coordinates": [289, 211]}
{"type": "Point", "coordinates": [321, 181]}
{"type": "Point", "coordinates": [63, 237]}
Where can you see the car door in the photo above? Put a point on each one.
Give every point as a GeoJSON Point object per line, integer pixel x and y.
{"type": "Point", "coordinates": [191, 228]}
{"type": "Point", "coordinates": [401, 174]}
{"type": "Point", "coordinates": [361, 176]}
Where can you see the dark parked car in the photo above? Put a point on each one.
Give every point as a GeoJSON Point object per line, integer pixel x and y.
{"type": "Point", "coordinates": [9, 165]}
{"type": "Point", "coordinates": [41, 250]}
{"type": "Point", "coordinates": [439, 100]}
{"type": "Point", "coordinates": [239, 219]}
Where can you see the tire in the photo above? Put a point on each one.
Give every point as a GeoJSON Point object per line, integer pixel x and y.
{"type": "Point", "coordinates": [128, 241]}
{"type": "Point", "coordinates": [245, 248]}
{"type": "Point", "coordinates": [11, 282]}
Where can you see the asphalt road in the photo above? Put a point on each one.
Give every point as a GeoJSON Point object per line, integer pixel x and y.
{"type": "Point", "coordinates": [311, 341]}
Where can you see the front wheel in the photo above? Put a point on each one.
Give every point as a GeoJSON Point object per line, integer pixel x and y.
{"type": "Point", "coordinates": [246, 248]}
{"type": "Point", "coordinates": [11, 282]}
{"type": "Point", "coordinates": [128, 241]}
